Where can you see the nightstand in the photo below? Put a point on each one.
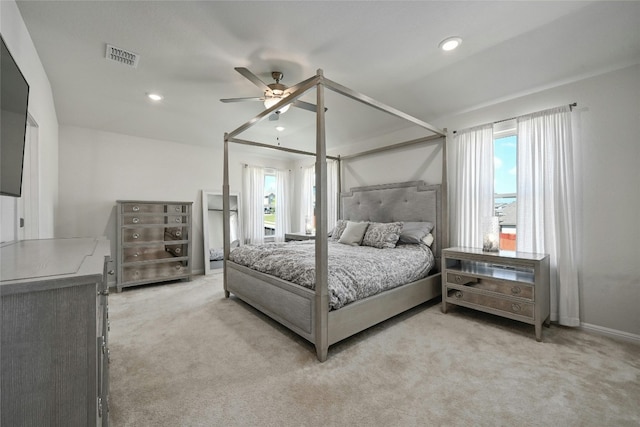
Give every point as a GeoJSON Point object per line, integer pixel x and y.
{"type": "Point", "coordinates": [514, 285]}
{"type": "Point", "coordinates": [298, 236]}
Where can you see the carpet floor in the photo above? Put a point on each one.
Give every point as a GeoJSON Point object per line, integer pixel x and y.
{"type": "Point", "coordinates": [183, 355]}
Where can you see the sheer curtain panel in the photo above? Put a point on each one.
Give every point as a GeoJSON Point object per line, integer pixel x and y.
{"type": "Point", "coordinates": [471, 184]}
{"type": "Point", "coordinates": [253, 185]}
{"type": "Point", "coordinates": [546, 207]}
{"type": "Point", "coordinates": [282, 204]}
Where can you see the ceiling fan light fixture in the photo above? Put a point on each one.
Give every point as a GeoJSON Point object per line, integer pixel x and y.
{"type": "Point", "coordinates": [270, 102]}
{"type": "Point", "coordinates": [450, 43]}
{"type": "Point", "coordinates": [155, 97]}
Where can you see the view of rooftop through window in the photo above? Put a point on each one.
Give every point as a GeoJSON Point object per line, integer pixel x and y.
{"type": "Point", "coordinates": [505, 188]}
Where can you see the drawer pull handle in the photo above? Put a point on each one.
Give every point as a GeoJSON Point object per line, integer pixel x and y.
{"type": "Point", "coordinates": [136, 235]}
{"type": "Point", "coordinates": [136, 220]}
{"type": "Point", "coordinates": [178, 267]}
{"type": "Point", "coordinates": [178, 220]}
{"type": "Point", "coordinates": [458, 294]}
{"type": "Point", "coordinates": [111, 272]}
{"type": "Point", "coordinates": [515, 307]}
{"type": "Point", "coordinates": [177, 250]}
{"type": "Point", "coordinates": [458, 279]}
{"type": "Point", "coordinates": [178, 233]}
{"type": "Point", "coordinates": [135, 208]}
{"type": "Point", "coordinates": [178, 208]}
{"type": "Point", "coordinates": [516, 290]}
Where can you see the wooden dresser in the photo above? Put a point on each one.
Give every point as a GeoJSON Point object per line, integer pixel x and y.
{"type": "Point", "coordinates": [509, 284]}
{"type": "Point", "coordinates": [154, 242]}
{"type": "Point", "coordinates": [54, 346]}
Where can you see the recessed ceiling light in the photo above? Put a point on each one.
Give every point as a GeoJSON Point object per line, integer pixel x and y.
{"type": "Point", "coordinates": [279, 128]}
{"type": "Point", "coordinates": [450, 43]}
{"type": "Point", "coordinates": [155, 97]}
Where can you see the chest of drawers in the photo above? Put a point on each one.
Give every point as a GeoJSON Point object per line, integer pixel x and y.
{"type": "Point", "coordinates": [154, 242]}
{"type": "Point", "coordinates": [508, 284]}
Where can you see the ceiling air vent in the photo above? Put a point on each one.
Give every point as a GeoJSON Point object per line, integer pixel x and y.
{"type": "Point", "coordinates": [122, 56]}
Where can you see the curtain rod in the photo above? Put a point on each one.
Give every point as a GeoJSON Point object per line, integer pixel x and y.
{"type": "Point", "coordinates": [573, 104]}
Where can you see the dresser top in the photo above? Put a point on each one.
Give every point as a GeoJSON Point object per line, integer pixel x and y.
{"type": "Point", "coordinates": [156, 202]}
{"type": "Point", "coordinates": [46, 260]}
{"type": "Point", "coordinates": [500, 254]}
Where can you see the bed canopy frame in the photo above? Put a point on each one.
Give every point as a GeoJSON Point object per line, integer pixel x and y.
{"type": "Point", "coordinates": [320, 335]}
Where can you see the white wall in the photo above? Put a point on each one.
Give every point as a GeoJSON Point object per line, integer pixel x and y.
{"type": "Point", "coordinates": [97, 168]}
{"type": "Point", "coordinates": [41, 108]}
{"type": "Point", "coordinates": [608, 156]}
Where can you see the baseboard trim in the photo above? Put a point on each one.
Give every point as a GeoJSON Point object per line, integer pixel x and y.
{"type": "Point", "coordinates": [612, 333]}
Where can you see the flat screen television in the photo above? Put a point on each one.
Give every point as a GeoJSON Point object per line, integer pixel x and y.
{"type": "Point", "coordinates": [14, 99]}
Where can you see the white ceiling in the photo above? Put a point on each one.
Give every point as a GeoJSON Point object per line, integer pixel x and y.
{"type": "Point", "coordinates": [387, 50]}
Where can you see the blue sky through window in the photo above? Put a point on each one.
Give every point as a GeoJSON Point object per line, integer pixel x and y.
{"type": "Point", "coordinates": [504, 152]}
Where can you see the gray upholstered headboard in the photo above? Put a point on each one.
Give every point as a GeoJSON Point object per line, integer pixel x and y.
{"type": "Point", "coordinates": [404, 201]}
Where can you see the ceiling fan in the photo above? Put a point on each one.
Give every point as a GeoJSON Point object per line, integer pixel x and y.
{"type": "Point", "coordinates": [273, 93]}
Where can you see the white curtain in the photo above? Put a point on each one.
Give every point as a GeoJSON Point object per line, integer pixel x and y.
{"type": "Point", "coordinates": [546, 207]}
{"type": "Point", "coordinates": [307, 194]}
{"type": "Point", "coordinates": [253, 193]}
{"type": "Point", "coordinates": [471, 184]}
{"type": "Point", "coordinates": [282, 205]}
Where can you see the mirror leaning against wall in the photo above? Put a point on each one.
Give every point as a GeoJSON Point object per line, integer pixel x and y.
{"type": "Point", "coordinates": [212, 227]}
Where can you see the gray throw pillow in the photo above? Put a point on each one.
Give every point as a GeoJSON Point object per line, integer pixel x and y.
{"type": "Point", "coordinates": [341, 224]}
{"type": "Point", "coordinates": [382, 235]}
{"type": "Point", "coordinates": [414, 232]}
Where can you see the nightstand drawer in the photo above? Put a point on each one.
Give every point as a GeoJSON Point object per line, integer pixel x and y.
{"type": "Point", "coordinates": [515, 289]}
{"type": "Point", "coordinates": [461, 297]}
{"type": "Point", "coordinates": [154, 271]}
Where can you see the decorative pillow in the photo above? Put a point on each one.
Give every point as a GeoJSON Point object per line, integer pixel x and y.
{"type": "Point", "coordinates": [414, 232]}
{"type": "Point", "coordinates": [353, 233]}
{"type": "Point", "coordinates": [382, 235]}
{"type": "Point", "coordinates": [341, 224]}
{"type": "Point", "coordinates": [428, 239]}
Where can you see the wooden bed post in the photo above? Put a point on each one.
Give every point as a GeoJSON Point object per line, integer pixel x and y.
{"type": "Point", "coordinates": [322, 286]}
{"type": "Point", "coordinates": [226, 215]}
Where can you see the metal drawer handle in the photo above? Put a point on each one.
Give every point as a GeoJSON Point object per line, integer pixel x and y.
{"type": "Point", "coordinates": [458, 294]}
{"type": "Point", "coordinates": [111, 272]}
{"type": "Point", "coordinates": [178, 208]}
{"type": "Point", "coordinates": [135, 208]}
{"type": "Point", "coordinates": [136, 220]}
{"type": "Point", "coordinates": [178, 220]}
{"type": "Point", "coordinates": [516, 290]}
{"type": "Point", "coordinates": [136, 235]}
{"type": "Point", "coordinates": [177, 250]}
{"type": "Point", "coordinates": [178, 233]}
{"type": "Point", "coordinates": [178, 267]}
{"type": "Point", "coordinates": [515, 307]}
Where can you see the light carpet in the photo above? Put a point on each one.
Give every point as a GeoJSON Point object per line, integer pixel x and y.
{"type": "Point", "coordinates": [183, 355]}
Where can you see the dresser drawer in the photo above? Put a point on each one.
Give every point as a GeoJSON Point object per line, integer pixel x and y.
{"type": "Point", "coordinates": [517, 289]}
{"type": "Point", "coordinates": [172, 209]}
{"type": "Point", "coordinates": [135, 235]}
{"type": "Point", "coordinates": [144, 253]}
{"type": "Point", "coordinates": [176, 233]}
{"type": "Point", "coordinates": [153, 271]}
{"type": "Point", "coordinates": [177, 250]}
{"type": "Point", "coordinates": [458, 296]}
{"type": "Point", "coordinates": [143, 219]}
{"type": "Point", "coordinates": [142, 208]}
{"type": "Point", "coordinates": [176, 219]}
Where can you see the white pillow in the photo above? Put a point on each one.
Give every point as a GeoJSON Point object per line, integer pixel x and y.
{"type": "Point", "coordinates": [353, 233]}
{"type": "Point", "coordinates": [428, 239]}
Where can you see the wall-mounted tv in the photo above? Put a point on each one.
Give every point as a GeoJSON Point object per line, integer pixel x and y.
{"type": "Point", "coordinates": [14, 99]}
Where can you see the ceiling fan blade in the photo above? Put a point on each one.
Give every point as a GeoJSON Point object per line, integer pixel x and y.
{"type": "Point", "coordinates": [306, 106]}
{"type": "Point", "coordinates": [252, 78]}
{"type": "Point", "coordinates": [241, 99]}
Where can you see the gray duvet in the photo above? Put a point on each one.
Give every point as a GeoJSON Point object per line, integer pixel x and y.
{"type": "Point", "coordinates": [355, 272]}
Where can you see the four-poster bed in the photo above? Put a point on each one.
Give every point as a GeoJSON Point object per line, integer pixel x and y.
{"type": "Point", "coordinates": [307, 311]}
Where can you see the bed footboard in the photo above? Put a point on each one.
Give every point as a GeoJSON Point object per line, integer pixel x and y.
{"type": "Point", "coordinates": [289, 304]}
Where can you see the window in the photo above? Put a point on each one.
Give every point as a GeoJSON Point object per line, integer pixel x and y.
{"type": "Point", "coordinates": [505, 198]}
{"type": "Point", "coordinates": [269, 203]}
